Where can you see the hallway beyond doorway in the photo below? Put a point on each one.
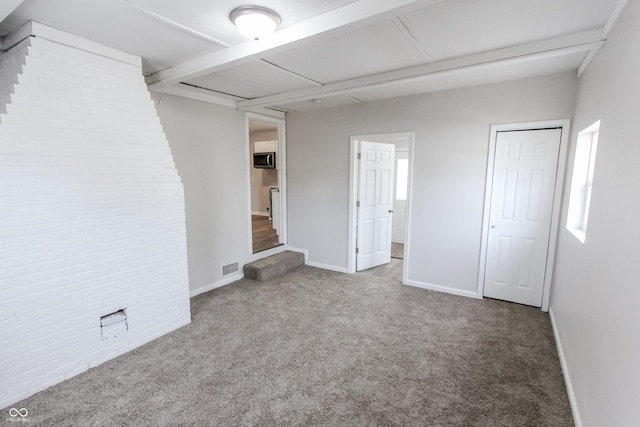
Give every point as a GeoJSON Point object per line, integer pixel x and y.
{"type": "Point", "coordinates": [264, 236]}
{"type": "Point", "coordinates": [391, 270]}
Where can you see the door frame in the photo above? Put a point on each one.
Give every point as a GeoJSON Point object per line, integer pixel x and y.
{"type": "Point", "coordinates": [281, 162]}
{"type": "Point", "coordinates": [353, 195]}
{"type": "Point", "coordinates": [556, 206]}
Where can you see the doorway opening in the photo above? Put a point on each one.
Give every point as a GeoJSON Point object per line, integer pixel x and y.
{"type": "Point", "coordinates": [379, 204]}
{"type": "Point", "coordinates": [267, 171]}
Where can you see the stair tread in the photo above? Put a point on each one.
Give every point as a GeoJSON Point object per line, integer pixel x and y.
{"type": "Point", "coordinates": [272, 266]}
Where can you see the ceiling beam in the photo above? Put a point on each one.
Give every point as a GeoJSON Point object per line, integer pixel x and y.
{"type": "Point", "coordinates": [613, 17]}
{"type": "Point", "coordinates": [565, 45]}
{"type": "Point", "coordinates": [606, 28]}
{"type": "Point", "coordinates": [353, 15]}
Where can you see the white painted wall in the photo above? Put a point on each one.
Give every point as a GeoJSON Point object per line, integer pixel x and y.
{"type": "Point", "coordinates": [209, 145]}
{"type": "Point", "coordinates": [595, 293]}
{"type": "Point", "coordinates": [91, 215]}
{"type": "Point", "coordinates": [451, 144]}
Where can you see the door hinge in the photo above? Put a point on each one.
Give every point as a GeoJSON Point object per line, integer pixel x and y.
{"type": "Point", "coordinates": [358, 204]}
{"type": "Point", "coordinates": [357, 250]}
{"type": "Point", "coordinates": [359, 156]}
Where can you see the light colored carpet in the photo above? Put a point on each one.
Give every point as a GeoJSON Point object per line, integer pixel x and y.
{"type": "Point", "coordinates": [397, 250]}
{"type": "Point", "coordinates": [314, 347]}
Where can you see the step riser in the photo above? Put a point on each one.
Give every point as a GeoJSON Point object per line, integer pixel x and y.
{"type": "Point", "coordinates": [273, 266]}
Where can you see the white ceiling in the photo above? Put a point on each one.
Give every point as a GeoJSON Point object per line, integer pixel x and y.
{"type": "Point", "coordinates": [333, 52]}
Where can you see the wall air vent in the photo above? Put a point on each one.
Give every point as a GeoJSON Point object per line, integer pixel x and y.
{"type": "Point", "coordinates": [228, 269]}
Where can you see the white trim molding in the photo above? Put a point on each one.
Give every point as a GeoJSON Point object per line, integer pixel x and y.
{"type": "Point", "coordinates": [564, 364]}
{"type": "Point", "coordinates": [281, 163]}
{"type": "Point", "coordinates": [316, 264]}
{"type": "Point", "coordinates": [225, 281]}
{"type": "Point", "coordinates": [36, 29]}
{"type": "Point", "coordinates": [353, 194]}
{"type": "Point", "coordinates": [327, 267]}
{"type": "Point", "coordinates": [444, 289]}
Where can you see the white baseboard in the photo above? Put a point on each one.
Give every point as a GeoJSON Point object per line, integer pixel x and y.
{"type": "Point", "coordinates": [445, 289]}
{"type": "Point", "coordinates": [565, 372]}
{"type": "Point", "coordinates": [318, 264]}
{"type": "Point", "coordinates": [327, 267]}
{"type": "Point", "coordinates": [225, 281]}
{"type": "Point", "coordinates": [259, 213]}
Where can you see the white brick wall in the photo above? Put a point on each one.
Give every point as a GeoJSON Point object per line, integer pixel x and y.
{"type": "Point", "coordinates": [91, 215]}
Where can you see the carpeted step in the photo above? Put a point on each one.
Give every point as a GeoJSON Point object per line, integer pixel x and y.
{"type": "Point", "coordinates": [272, 266]}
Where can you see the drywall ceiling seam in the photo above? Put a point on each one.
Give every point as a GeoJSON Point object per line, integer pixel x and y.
{"type": "Point", "coordinates": [351, 16]}
{"type": "Point", "coordinates": [176, 24]}
{"type": "Point", "coordinates": [408, 35]}
{"type": "Point", "coordinates": [354, 99]}
{"type": "Point", "coordinates": [213, 40]}
{"type": "Point", "coordinates": [291, 73]}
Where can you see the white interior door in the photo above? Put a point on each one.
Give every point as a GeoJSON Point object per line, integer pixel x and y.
{"type": "Point", "coordinates": [522, 195]}
{"type": "Point", "coordinates": [375, 199]}
{"type": "Point", "coordinates": [400, 196]}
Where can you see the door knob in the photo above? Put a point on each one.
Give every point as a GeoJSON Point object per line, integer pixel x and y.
{"type": "Point", "coordinates": [390, 210]}
{"type": "Point", "coordinates": [493, 226]}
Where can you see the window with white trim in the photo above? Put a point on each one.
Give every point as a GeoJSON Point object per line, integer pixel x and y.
{"type": "Point", "coordinates": [582, 181]}
{"type": "Point", "coordinates": [402, 175]}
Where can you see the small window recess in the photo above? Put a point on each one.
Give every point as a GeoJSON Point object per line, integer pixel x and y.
{"type": "Point", "coordinates": [582, 181]}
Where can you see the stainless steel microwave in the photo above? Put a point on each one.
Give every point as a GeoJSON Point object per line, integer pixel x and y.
{"type": "Point", "coordinates": [264, 160]}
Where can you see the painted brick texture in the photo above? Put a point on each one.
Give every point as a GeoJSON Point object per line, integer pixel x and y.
{"type": "Point", "coordinates": [91, 215]}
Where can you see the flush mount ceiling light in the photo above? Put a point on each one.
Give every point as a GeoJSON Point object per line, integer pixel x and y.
{"type": "Point", "coordinates": [255, 22]}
